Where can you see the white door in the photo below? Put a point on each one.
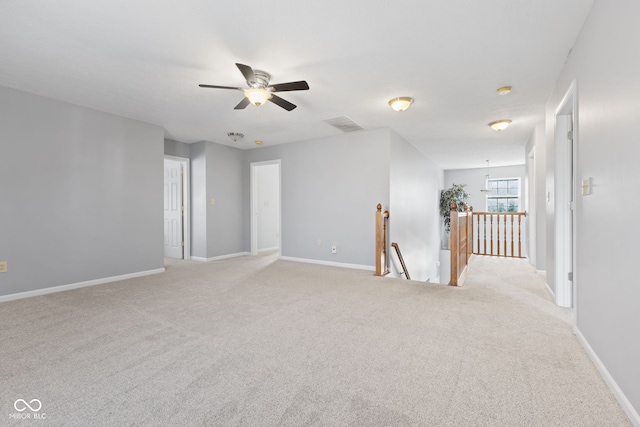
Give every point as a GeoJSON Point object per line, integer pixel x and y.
{"type": "Point", "coordinates": [173, 209]}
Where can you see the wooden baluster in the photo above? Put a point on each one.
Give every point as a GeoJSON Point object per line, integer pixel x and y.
{"type": "Point", "coordinates": [498, 236]}
{"type": "Point", "coordinates": [478, 228]}
{"type": "Point", "coordinates": [505, 235]}
{"type": "Point", "coordinates": [519, 243]}
{"type": "Point", "coordinates": [491, 235]}
{"type": "Point", "coordinates": [512, 241]}
{"type": "Point", "coordinates": [484, 233]}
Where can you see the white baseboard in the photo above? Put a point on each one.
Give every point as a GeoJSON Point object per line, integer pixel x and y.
{"type": "Point", "coordinates": [218, 258]}
{"type": "Point", "coordinates": [633, 415]}
{"type": "Point", "coordinates": [61, 288]}
{"type": "Point", "coordinates": [268, 249]}
{"type": "Point", "coordinates": [553, 294]}
{"type": "Point", "coordinates": [330, 263]}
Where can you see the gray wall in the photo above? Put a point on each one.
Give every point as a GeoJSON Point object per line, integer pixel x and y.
{"type": "Point", "coordinates": [330, 189]}
{"type": "Point", "coordinates": [176, 148]}
{"type": "Point", "coordinates": [476, 178]}
{"type": "Point", "coordinates": [538, 198]}
{"type": "Point", "coordinates": [81, 194]}
{"type": "Point", "coordinates": [225, 184]}
{"type": "Point", "coordinates": [199, 200]}
{"type": "Point", "coordinates": [216, 173]}
{"type": "Point", "coordinates": [268, 197]}
{"type": "Point", "coordinates": [414, 219]}
{"type": "Point", "coordinates": [606, 65]}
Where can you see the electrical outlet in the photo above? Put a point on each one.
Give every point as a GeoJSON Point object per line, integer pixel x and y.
{"type": "Point", "coordinates": [213, 201]}
{"type": "Point", "coordinates": [334, 248]}
{"type": "Point", "coordinates": [319, 242]}
{"type": "Point", "coordinates": [3, 266]}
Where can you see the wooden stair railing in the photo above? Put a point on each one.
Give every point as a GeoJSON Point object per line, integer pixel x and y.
{"type": "Point", "coordinates": [404, 267]}
{"type": "Point", "coordinates": [498, 234]}
{"type": "Point", "coordinates": [381, 241]}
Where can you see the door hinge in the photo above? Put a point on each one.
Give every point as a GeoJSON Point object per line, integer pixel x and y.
{"type": "Point", "coordinates": [570, 276]}
{"type": "Point", "coordinates": [181, 172]}
{"type": "Point", "coordinates": [182, 208]}
{"type": "Point", "coordinates": [570, 135]}
{"type": "Point", "coordinates": [182, 244]}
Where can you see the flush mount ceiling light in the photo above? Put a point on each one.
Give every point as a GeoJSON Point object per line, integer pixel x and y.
{"type": "Point", "coordinates": [235, 136]}
{"type": "Point", "coordinates": [505, 90]}
{"type": "Point", "coordinates": [401, 103]}
{"type": "Point", "coordinates": [257, 96]}
{"type": "Point", "coordinates": [258, 141]}
{"type": "Point", "coordinates": [499, 125]}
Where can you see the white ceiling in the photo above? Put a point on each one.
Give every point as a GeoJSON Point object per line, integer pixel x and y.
{"type": "Point", "coordinates": [145, 59]}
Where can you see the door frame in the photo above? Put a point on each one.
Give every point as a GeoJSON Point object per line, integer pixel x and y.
{"type": "Point", "coordinates": [254, 204]}
{"type": "Point", "coordinates": [566, 116]}
{"type": "Point", "coordinates": [186, 201]}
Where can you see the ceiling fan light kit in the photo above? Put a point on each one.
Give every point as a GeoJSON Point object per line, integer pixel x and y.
{"type": "Point", "coordinates": [260, 91]}
{"type": "Point", "coordinates": [500, 125]}
{"type": "Point", "coordinates": [257, 96]}
{"type": "Point", "coordinates": [235, 136]}
{"type": "Point", "coordinates": [401, 103]}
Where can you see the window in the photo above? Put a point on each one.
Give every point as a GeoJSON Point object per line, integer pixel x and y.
{"type": "Point", "coordinates": [504, 195]}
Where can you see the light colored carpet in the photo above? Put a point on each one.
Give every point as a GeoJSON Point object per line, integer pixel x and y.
{"type": "Point", "coordinates": [261, 342]}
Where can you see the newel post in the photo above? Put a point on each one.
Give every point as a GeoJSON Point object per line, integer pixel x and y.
{"type": "Point", "coordinates": [454, 223]}
{"type": "Point", "coordinates": [381, 241]}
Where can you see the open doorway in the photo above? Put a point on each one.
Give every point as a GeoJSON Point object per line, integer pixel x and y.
{"type": "Point", "coordinates": [176, 208]}
{"type": "Point", "coordinates": [265, 206]}
{"type": "Point", "coordinates": [566, 135]}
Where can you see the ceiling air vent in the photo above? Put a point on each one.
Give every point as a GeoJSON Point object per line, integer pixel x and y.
{"type": "Point", "coordinates": [344, 123]}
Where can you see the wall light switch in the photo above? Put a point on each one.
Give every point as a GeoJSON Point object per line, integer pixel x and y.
{"type": "Point", "coordinates": [3, 266]}
{"type": "Point", "coordinates": [586, 186]}
{"type": "Point", "coordinates": [213, 201]}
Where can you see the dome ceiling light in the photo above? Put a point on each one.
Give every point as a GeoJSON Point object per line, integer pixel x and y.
{"type": "Point", "coordinates": [505, 90]}
{"type": "Point", "coordinates": [500, 125]}
{"type": "Point", "coordinates": [401, 103]}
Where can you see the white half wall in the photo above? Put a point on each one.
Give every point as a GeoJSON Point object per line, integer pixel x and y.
{"type": "Point", "coordinates": [414, 218]}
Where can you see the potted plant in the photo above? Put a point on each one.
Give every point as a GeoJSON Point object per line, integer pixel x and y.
{"type": "Point", "coordinates": [456, 194]}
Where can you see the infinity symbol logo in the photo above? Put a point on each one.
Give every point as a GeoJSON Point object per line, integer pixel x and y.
{"type": "Point", "coordinates": [21, 403]}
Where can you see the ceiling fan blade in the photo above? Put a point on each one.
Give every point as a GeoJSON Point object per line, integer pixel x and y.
{"type": "Point", "coordinates": [243, 104]}
{"type": "Point", "coordinates": [282, 103]}
{"type": "Point", "coordinates": [285, 87]}
{"type": "Point", "coordinates": [221, 87]}
{"type": "Point", "coordinates": [247, 72]}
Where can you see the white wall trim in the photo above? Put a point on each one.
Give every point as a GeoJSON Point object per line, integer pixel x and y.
{"type": "Point", "coordinates": [633, 415]}
{"type": "Point", "coordinates": [553, 295]}
{"type": "Point", "coordinates": [186, 194]}
{"type": "Point", "coordinates": [330, 263]}
{"type": "Point", "coordinates": [218, 258]}
{"type": "Point", "coordinates": [61, 288]}
{"type": "Point", "coordinates": [268, 249]}
{"type": "Point", "coordinates": [253, 202]}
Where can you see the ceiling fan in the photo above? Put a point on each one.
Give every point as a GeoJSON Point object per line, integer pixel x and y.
{"type": "Point", "coordinates": [260, 91]}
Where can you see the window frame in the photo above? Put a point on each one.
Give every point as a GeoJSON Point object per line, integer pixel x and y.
{"type": "Point", "coordinates": [491, 195]}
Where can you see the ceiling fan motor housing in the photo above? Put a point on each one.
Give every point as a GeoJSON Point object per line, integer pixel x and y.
{"type": "Point", "coordinates": [260, 80]}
